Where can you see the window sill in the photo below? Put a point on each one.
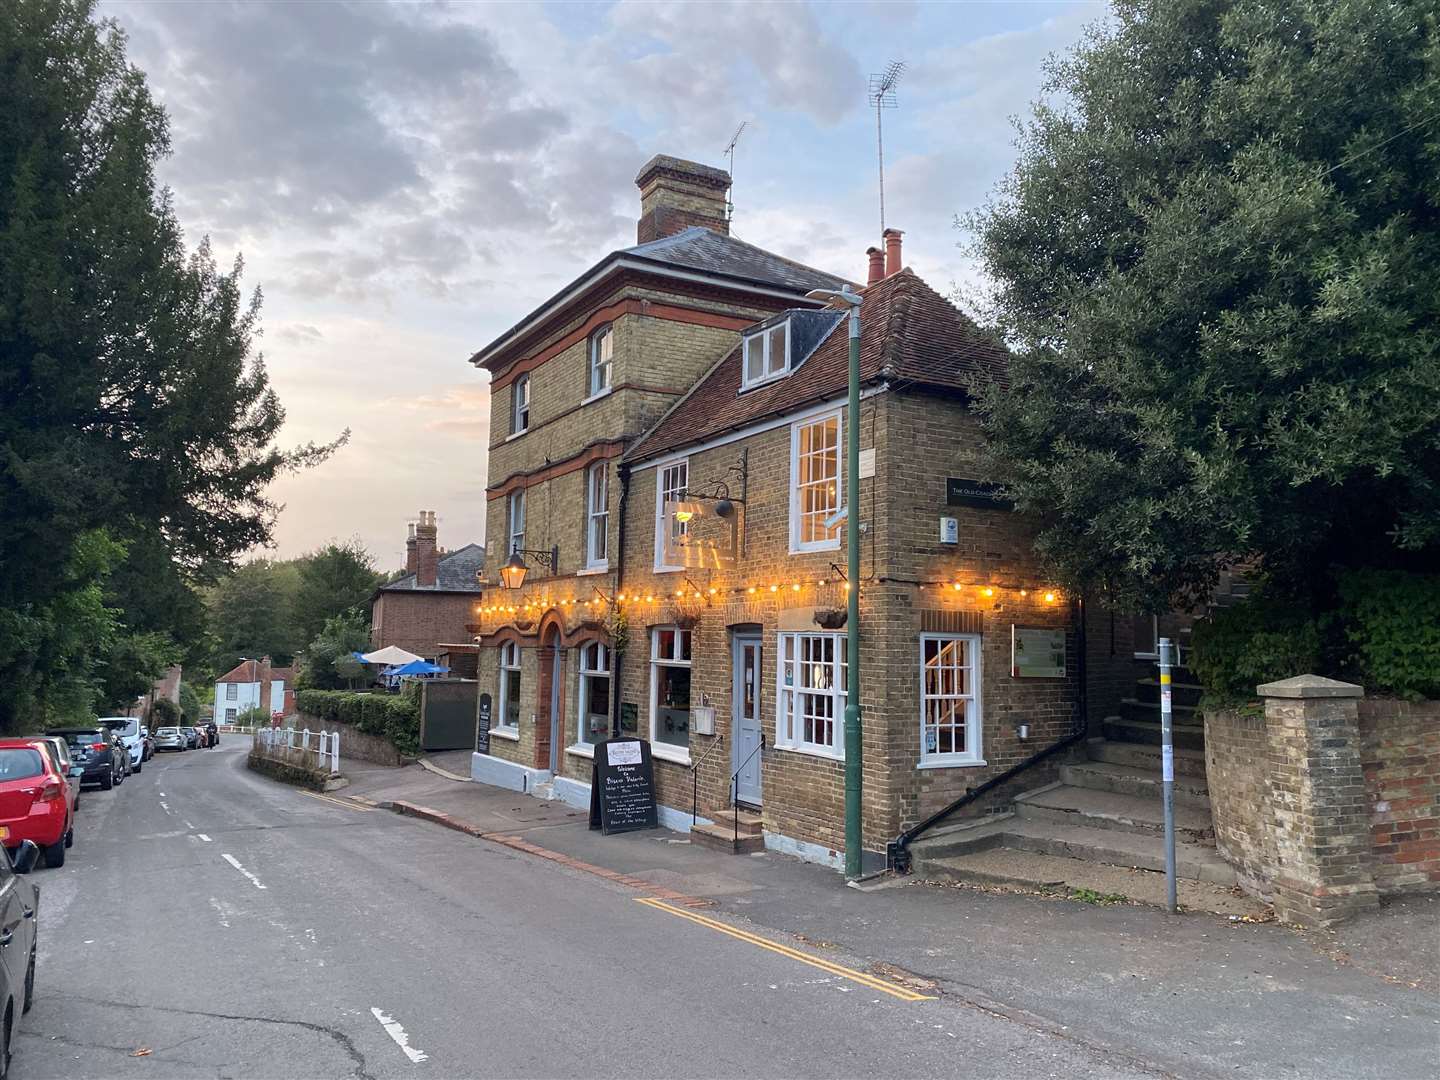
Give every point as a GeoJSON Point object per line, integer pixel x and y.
{"type": "Point", "coordinates": [668, 569]}
{"type": "Point", "coordinates": [746, 387]}
{"type": "Point", "coordinates": [513, 734]}
{"type": "Point", "coordinates": [584, 750]}
{"type": "Point", "coordinates": [944, 763]}
{"type": "Point", "coordinates": [597, 396]}
{"type": "Point", "coordinates": [603, 568]}
{"type": "Point", "coordinates": [810, 549]}
{"type": "Point", "coordinates": [666, 752]}
{"type": "Point", "coordinates": [516, 435]}
{"type": "Point", "coordinates": [823, 755]}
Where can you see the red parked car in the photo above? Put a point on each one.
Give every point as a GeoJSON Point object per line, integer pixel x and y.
{"type": "Point", "coordinates": [35, 800]}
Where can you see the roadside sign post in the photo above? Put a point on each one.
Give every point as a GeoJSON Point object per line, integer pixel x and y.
{"type": "Point", "coordinates": [1167, 774]}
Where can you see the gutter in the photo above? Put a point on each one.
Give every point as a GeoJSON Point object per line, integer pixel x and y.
{"type": "Point", "coordinates": [617, 660]}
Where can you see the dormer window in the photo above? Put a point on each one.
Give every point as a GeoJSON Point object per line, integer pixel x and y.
{"type": "Point", "coordinates": [767, 354]}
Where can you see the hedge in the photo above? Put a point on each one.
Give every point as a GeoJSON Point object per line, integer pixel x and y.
{"type": "Point", "coordinates": [393, 716]}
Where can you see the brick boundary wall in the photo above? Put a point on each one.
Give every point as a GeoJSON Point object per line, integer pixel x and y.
{"type": "Point", "coordinates": [1323, 801]}
{"type": "Point", "coordinates": [1400, 755]}
{"type": "Point", "coordinates": [354, 743]}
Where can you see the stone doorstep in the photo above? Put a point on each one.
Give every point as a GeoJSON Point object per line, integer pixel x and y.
{"type": "Point", "coordinates": [721, 837]}
{"type": "Point", "coordinates": [1145, 851]}
{"type": "Point", "coordinates": [1033, 872]}
{"type": "Point", "coordinates": [1065, 804]}
{"type": "Point", "coordinates": [1130, 780]}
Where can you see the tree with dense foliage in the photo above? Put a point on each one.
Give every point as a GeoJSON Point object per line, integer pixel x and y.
{"type": "Point", "coordinates": [127, 381]}
{"type": "Point", "coordinates": [328, 663]}
{"type": "Point", "coordinates": [335, 579]}
{"type": "Point", "coordinates": [191, 703]}
{"type": "Point", "coordinates": [1216, 262]}
{"type": "Point", "coordinates": [251, 613]}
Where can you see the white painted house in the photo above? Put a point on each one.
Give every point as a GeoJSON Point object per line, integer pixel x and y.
{"type": "Point", "coordinates": [253, 683]}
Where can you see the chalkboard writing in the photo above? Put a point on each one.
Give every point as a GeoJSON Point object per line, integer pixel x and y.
{"type": "Point", "coordinates": [622, 787]}
{"type": "Point", "coordinates": [482, 726]}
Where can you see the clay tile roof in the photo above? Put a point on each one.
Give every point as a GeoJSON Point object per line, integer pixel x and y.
{"type": "Point", "coordinates": [909, 334]}
{"type": "Point", "coordinates": [243, 672]}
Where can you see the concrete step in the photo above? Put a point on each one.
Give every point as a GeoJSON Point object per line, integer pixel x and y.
{"type": "Point", "coordinates": [751, 824]}
{"type": "Point", "coordinates": [1197, 861]}
{"type": "Point", "coordinates": [1189, 734]}
{"type": "Point", "coordinates": [1033, 872]}
{"type": "Point", "coordinates": [1131, 780]}
{"type": "Point", "coordinates": [1181, 694]}
{"type": "Point", "coordinates": [721, 837]}
{"type": "Point", "coordinates": [1149, 712]}
{"type": "Point", "coordinates": [1146, 756]}
{"type": "Point", "coordinates": [1062, 804]}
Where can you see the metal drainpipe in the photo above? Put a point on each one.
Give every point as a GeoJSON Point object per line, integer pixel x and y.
{"type": "Point", "coordinates": [616, 661]}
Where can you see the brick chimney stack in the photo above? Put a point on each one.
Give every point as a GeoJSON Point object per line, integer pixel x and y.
{"type": "Point", "coordinates": [877, 265]}
{"type": "Point", "coordinates": [676, 194]}
{"type": "Point", "coordinates": [427, 555]}
{"type": "Point", "coordinates": [410, 550]}
{"type": "Point", "coordinates": [893, 263]}
{"type": "Point", "coordinates": [262, 676]}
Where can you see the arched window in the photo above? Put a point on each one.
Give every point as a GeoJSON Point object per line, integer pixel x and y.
{"type": "Point", "coordinates": [520, 405]}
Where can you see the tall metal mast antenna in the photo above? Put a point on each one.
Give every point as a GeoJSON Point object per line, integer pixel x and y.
{"type": "Point", "coordinates": [730, 168]}
{"type": "Point", "coordinates": [882, 96]}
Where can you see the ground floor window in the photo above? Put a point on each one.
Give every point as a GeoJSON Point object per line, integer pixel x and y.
{"type": "Point", "coordinates": [810, 712]}
{"type": "Point", "coordinates": [593, 721]}
{"type": "Point", "coordinates": [949, 699]}
{"type": "Point", "coordinates": [670, 686]}
{"type": "Point", "coordinates": [509, 712]}
{"type": "Point", "coordinates": [229, 716]}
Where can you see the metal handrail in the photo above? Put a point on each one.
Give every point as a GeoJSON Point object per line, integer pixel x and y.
{"type": "Point", "coordinates": [735, 785]}
{"type": "Point", "coordinates": [695, 779]}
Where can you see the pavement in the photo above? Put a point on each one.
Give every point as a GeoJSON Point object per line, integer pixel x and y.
{"type": "Point", "coordinates": [233, 926]}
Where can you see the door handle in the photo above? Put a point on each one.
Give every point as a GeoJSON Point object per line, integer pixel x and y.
{"type": "Point", "coordinates": [5, 937]}
{"type": "Point", "coordinates": [29, 912]}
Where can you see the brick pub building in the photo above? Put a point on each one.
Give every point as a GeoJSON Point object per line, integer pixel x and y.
{"type": "Point", "coordinates": [669, 451]}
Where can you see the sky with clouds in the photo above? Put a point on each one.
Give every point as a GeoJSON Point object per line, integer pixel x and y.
{"type": "Point", "coordinates": [405, 181]}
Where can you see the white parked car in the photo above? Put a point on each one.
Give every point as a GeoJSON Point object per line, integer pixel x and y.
{"type": "Point", "coordinates": [128, 730]}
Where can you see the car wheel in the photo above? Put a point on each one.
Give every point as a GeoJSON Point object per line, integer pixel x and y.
{"type": "Point", "coordinates": [138, 768]}
{"type": "Point", "coordinates": [29, 985]}
{"type": "Point", "coordinates": [55, 854]}
{"type": "Point", "coordinates": [107, 781]}
{"type": "Point", "coordinates": [70, 836]}
{"type": "Point", "coordinates": [5, 1044]}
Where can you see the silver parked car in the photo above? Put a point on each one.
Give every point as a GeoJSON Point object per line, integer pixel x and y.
{"type": "Point", "coordinates": [170, 738]}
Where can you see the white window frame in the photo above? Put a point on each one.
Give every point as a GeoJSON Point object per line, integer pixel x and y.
{"type": "Point", "coordinates": [762, 341]}
{"type": "Point", "coordinates": [789, 720]}
{"type": "Point", "coordinates": [658, 748]}
{"type": "Point", "coordinates": [832, 543]}
{"type": "Point", "coordinates": [594, 663]}
{"type": "Point", "coordinates": [232, 692]}
{"type": "Point", "coordinates": [509, 669]}
{"type": "Point", "coordinates": [597, 516]}
{"type": "Point", "coordinates": [514, 508]}
{"type": "Point", "coordinates": [974, 714]}
{"type": "Point", "coordinates": [601, 367]}
{"type": "Point", "coordinates": [520, 405]}
{"type": "Point", "coordinates": [661, 474]}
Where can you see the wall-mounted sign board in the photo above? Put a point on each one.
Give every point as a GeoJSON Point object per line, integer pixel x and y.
{"type": "Point", "coordinates": [1037, 653]}
{"type": "Point", "coordinates": [982, 493]}
{"type": "Point", "coordinates": [482, 725]}
{"type": "Point", "coordinates": [622, 787]}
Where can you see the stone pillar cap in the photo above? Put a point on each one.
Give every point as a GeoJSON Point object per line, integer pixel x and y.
{"type": "Point", "coordinates": [1310, 686]}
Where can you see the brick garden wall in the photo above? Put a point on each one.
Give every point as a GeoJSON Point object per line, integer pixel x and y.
{"type": "Point", "coordinates": [1237, 761]}
{"type": "Point", "coordinates": [1400, 754]}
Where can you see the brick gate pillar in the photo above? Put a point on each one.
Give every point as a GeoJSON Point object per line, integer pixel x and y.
{"type": "Point", "coordinates": [1317, 800]}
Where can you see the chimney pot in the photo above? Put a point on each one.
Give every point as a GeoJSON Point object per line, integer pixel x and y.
{"type": "Point", "coordinates": [893, 262]}
{"type": "Point", "coordinates": [877, 265]}
{"type": "Point", "coordinates": [427, 556]}
{"type": "Point", "coordinates": [676, 194]}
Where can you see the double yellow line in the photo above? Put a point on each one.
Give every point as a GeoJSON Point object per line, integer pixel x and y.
{"type": "Point", "coordinates": [860, 977]}
{"type": "Point", "coordinates": [346, 803]}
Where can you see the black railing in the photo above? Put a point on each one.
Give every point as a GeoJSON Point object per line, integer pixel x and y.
{"type": "Point", "coordinates": [695, 779]}
{"type": "Point", "coordinates": [735, 785]}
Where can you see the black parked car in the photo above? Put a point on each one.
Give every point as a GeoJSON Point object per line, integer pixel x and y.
{"type": "Point", "coordinates": [99, 752]}
{"type": "Point", "coordinates": [192, 738]}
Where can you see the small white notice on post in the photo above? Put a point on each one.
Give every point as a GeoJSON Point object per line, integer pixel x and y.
{"type": "Point", "coordinates": [623, 753]}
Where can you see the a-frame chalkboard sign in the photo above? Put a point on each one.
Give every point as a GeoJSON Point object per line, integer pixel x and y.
{"type": "Point", "coordinates": [622, 787]}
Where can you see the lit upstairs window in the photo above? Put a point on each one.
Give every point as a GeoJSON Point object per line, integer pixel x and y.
{"type": "Point", "coordinates": [767, 354]}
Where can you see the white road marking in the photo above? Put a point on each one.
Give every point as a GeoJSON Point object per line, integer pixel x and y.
{"type": "Point", "coordinates": [236, 863]}
{"type": "Point", "coordinates": [203, 837]}
{"type": "Point", "coordinates": [402, 1040]}
{"type": "Point", "coordinates": [162, 794]}
{"type": "Point", "coordinates": [220, 910]}
{"type": "Point", "coordinates": [164, 806]}
{"type": "Point", "coordinates": [188, 825]}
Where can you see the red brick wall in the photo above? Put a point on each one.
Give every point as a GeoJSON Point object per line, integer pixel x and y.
{"type": "Point", "coordinates": [1400, 753]}
{"type": "Point", "coordinates": [420, 621]}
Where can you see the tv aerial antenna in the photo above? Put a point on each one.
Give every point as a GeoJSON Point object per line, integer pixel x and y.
{"type": "Point", "coordinates": [882, 96]}
{"type": "Point", "coordinates": [729, 155]}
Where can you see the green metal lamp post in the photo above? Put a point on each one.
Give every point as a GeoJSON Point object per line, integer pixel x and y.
{"type": "Point", "coordinates": [853, 752]}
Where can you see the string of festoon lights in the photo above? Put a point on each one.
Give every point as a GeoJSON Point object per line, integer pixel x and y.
{"type": "Point", "coordinates": [761, 590]}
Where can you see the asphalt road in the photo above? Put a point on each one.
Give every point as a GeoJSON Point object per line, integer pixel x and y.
{"type": "Point", "coordinates": [235, 927]}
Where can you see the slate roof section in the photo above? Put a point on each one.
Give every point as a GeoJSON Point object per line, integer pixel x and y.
{"type": "Point", "coordinates": [909, 334]}
{"type": "Point", "coordinates": [454, 573]}
{"type": "Point", "coordinates": [699, 248]}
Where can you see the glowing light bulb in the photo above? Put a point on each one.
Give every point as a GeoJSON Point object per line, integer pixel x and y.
{"type": "Point", "coordinates": [774, 588]}
{"type": "Point", "coordinates": [751, 590]}
{"type": "Point", "coordinates": [956, 586]}
{"type": "Point", "coordinates": [795, 587]}
{"type": "Point", "coordinates": [1049, 598]}
{"type": "Point", "coordinates": [988, 591]}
